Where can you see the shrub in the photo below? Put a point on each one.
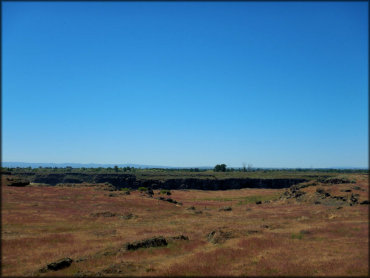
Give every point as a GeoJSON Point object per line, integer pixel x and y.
{"type": "Point", "coordinates": [165, 192]}
{"type": "Point", "coordinates": [297, 236]}
{"type": "Point", "coordinates": [142, 189]}
{"type": "Point", "coordinates": [125, 189]}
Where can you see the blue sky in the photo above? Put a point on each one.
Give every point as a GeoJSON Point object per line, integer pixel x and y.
{"type": "Point", "coordinates": [273, 84]}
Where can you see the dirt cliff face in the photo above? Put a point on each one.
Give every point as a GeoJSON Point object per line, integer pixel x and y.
{"type": "Point", "coordinates": [129, 180]}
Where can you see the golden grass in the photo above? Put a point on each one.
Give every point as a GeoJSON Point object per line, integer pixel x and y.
{"type": "Point", "coordinates": [43, 224]}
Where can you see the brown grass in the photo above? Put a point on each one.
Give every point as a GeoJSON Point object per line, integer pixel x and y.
{"type": "Point", "coordinates": [43, 224]}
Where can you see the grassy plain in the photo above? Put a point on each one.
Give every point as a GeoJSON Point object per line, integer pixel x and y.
{"type": "Point", "coordinates": [281, 237]}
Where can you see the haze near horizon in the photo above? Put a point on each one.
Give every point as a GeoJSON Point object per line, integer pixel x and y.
{"type": "Point", "coordinates": [273, 84]}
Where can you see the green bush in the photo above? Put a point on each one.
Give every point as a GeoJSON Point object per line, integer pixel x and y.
{"type": "Point", "coordinates": [141, 189]}
{"type": "Point", "coordinates": [165, 192]}
{"type": "Point", "coordinates": [125, 189]}
{"type": "Point", "coordinates": [297, 236]}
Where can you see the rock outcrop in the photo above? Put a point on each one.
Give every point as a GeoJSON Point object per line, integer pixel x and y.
{"type": "Point", "coordinates": [19, 182]}
{"type": "Point", "coordinates": [60, 264]}
{"type": "Point", "coordinates": [130, 180]}
{"type": "Point", "coordinates": [147, 243]}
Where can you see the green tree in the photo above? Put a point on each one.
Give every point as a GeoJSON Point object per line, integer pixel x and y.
{"type": "Point", "coordinates": [220, 168]}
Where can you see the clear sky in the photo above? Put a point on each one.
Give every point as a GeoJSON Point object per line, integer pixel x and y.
{"type": "Point", "coordinates": [273, 84]}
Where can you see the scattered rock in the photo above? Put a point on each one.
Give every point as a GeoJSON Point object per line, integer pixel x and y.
{"type": "Point", "coordinates": [335, 180]}
{"type": "Point", "coordinates": [103, 214]}
{"type": "Point", "coordinates": [128, 216]}
{"type": "Point", "coordinates": [249, 232]}
{"type": "Point", "coordinates": [110, 252]}
{"type": "Point", "coordinates": [191, 208]}
{"type": "Point", "coordinates": [353, 199]}
{"type": "Point", "coordinates": [179, 237]}
{"type": "Point", "coordinates": [198, 212]}
{"type": "Point", "coordinates": [150, 192]}
{"type": "Point", "coordinates": [219, 236]}
{"type": "Point", "coordinates": [328, 199]}
{"type": "Point", "coordinates": [258, 202]}
{"type": "Point", "coordinates": [339, 207]}
{"type": "Point", "coordinates": [147, 243]}
{"type": "Point", "coordinates": [17, 182]}
{"type": "Point", "coordinates": [293, 192]}
{"type": "Point", "coordinates": [149, 269]}
{"type": "Point", "coordinates": [225, 209]}
{"type": "Point", "coordinates": [87, 274]}
{"type": "Point", "coordinates": [113, 269]}
{"type": "Point", "coordinates": [322, 193]}
{"type": "Point", "coordinates": [60, 264]}
{"type": "Point", "coordinates": [341, 198]}
{"type": "Point", "coordinates": [120, 268]}
{"type": "Point", "coordinates": [169, 200]}
{"type": "Point", "coordinates": [366, 202]}
{"type": "Point", "coordinates": [112, 195]}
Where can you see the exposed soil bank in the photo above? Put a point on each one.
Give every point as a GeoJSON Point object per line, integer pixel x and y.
{"type": "Point", "coordinates": [129, 180]}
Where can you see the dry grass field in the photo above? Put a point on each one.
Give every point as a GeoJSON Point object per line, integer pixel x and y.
{"type": "Point", "coordinates": [41, 225]}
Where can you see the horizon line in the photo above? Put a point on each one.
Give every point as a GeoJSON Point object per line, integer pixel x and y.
{"type": "Point", "coordinates": [180, 167]}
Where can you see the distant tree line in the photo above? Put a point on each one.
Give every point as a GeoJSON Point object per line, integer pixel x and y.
{"type": "Point", "coordinates": [217, 168]}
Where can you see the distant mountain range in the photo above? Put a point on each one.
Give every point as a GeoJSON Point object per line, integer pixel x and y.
{"type": "Point", "coordinates": [88, 165]}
